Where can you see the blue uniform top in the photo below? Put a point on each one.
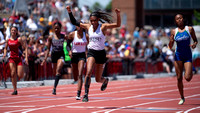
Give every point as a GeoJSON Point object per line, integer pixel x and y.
{"type": "Point", "coordinates": [183, 50]}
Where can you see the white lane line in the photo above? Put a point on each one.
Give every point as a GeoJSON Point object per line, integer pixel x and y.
{"type": "Point", "coordinates": [61, 89]}
{"type": "Point", "coordinates": [16, 106]}
{"type": "Point", "coordinates": [101, 93]}
{"type": "Point", "coordinates": [192, 109]}
{"type": "Point", "coordinates": [179, 112]}
{"type": "Point", "coordinates": [107, 100]}
{"type": "Point", "coordinates": [108, 111]}
{"type": "Point", "coordinates": [122, 91]}
{"type": "Point", "coordinates": [89, 107]}
{"type": "Point", "coordinates": [92, 95]}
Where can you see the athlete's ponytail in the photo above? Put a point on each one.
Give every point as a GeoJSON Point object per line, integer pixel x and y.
{"type": "Point", "coordinates": [103, 16]}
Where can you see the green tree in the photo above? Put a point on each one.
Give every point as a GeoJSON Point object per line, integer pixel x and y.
{"type": "Point", "coordinates": [196, 20]}
{"type": "Point", "coordinates": [97, 6]}
{"type": "Point", "coordinates": [109, 7]}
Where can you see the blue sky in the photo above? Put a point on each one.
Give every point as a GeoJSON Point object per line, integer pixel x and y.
{"type": "Point", "coordinates": [91, 2]}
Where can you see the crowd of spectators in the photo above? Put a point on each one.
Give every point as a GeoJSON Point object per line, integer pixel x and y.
{"type": "Point", "coordinates": [143, 43]}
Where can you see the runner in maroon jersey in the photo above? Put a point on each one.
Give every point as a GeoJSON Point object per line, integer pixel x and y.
{"type": "Point", "coordinates": [15, 60]}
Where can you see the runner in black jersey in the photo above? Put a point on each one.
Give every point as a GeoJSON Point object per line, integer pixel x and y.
{"type": "Point", "coordinates": [57, 54]}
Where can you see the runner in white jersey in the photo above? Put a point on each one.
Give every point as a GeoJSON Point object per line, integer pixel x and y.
{"type": "Point", "coordinates": [79, 40]}
{"type": "Point", "coordinates": [96, 55]}
{"type": "Point", "coordinates": [183, 54]}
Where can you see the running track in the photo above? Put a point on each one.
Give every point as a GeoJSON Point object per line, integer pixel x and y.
{"type": "Point", "coordinates": [138, 95]}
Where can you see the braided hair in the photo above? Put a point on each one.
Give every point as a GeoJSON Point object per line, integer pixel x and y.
{"type": "Point", "coordinates": [58, 23]}
{"type": "Point", "coordinates": [103, 16]}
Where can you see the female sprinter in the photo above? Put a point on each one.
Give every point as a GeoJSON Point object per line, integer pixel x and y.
{"type": "Point", "coordinates": [96, 55]}
{"type": "Point", "coordinates": [57, 53]}
{"type": "Point", "coordinates": [183, 55]}
{"type": "Point", "coordinates": [79, 41]}
{"type": "Point", "coordinates": [15, 60]}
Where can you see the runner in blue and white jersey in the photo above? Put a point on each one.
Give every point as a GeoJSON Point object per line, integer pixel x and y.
{"type": "Point", "coordinates": [183, 53]}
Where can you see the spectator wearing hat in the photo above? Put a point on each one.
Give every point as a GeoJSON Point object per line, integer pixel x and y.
{"type": "Point", "coordinates": [21, 27]}
{"type": "Point", "coordinates": [41, 25]}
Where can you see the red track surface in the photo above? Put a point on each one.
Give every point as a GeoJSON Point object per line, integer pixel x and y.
{"type": "Point", "coordinates": [139, 95]}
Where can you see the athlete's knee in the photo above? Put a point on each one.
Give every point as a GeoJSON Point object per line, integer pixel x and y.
{"type": "Point", "coordinates": [188, 78]}
{"type": "Point", "coordinates": [179, 78]}
{"type": "Point", "coordinates": [80, 77]}
{"type": "Point", "coordinates": [58, 70]}
{"type": "Point", "coordinates": [12, 73]}
{"type": "Point", "coordinates": [89, 72]}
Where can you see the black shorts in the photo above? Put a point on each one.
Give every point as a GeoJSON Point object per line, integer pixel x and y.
{"type": "Point", "coordinates": [55, 56]}
{"type": "Point", "coordinates": [76, 57]}
{"type": "Point", "coordinates": [99, 55]}
{"type": "Point", "coordinates": [67, 64]}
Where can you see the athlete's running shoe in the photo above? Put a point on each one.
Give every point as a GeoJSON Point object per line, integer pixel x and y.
{"type": "Point", "coordinates": [104, 85]}
{"type": "Point", "coordinates": [85, 98]}
{"type": "Point", "coordinates": [14, 92]}
{"type": "Point", "coordinates": [181, 101]}
{"type": "Point", "coordinates": [54, 91]}
{"type": "Point", "coordinates": [78, 98]}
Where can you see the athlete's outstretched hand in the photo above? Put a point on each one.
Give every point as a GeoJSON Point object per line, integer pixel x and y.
{"type": "Point", "coordinates": [68, 9]}
{"type": "Point", "coordinates": [117, 11]}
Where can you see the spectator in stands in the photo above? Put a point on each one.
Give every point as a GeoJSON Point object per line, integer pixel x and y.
{"type": "Point", "coordinates": [156, 53]}
{"type": "Point", "coordinates": [183, 55]}
{"type": "Point", "coordinates": [41, 25]}
{"type": "Point", "coordinates": [167, 58]}
{"type": "Point", "coordinates": [2, 40]}
{"type": "Point", "coordinates": [137, 48]}
{"type": "Point", "coordinates": [15, 61]}
{"type": "Point", "coordinates": [136, 33]}
{"type": "Point", "coordinates": [153, 34]}
{"type": "Point", "coordinates": [31, 58]}
{"type": "Point", "coordinates": [122, 33]}
{"type": "Point", "coordinates": [158, 43]}
{"type": "Point", "coordinates": [30, 23]}
{"type": "Point", "coordinates": [10, 23]}
{"type": "Point", "coordinates": [148, 52]}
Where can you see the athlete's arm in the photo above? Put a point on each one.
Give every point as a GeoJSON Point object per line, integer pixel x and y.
{"type": "Point", "coordinates": [69, 40]}
{"type": "Point", "coordinates": [113, 25]}
{"type": "Point", "coordinates": [24, 44]}
{"type": "Point", "coordinates": [49, 42]}
{"type": "Point", "coordinates": [2, 43]}
{"type": "Point", "coordinates": [5, 49]}
{"type": "Point", "coordinates": [193, 35]}
{"type": "Point", "coordinates": [171, 41]}
{"type": "Point", "coordinates": [87, 38]}
{"type": "Point", "coordinates": [74, 21]}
